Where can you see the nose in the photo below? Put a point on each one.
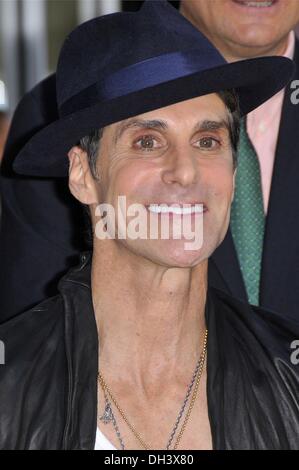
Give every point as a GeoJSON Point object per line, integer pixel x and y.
{"type": "Point", "coordinates": [180, 168]}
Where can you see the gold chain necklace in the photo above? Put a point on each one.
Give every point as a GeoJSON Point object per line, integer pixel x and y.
{"type": "Point", "coordinates": [191, 405]}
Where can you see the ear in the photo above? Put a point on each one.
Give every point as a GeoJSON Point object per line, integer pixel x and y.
{"type": "Point", "coordinates": [81, 182]}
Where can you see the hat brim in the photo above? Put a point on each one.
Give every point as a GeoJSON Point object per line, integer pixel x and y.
{"type": "Point", "coordinates": [254, 80]}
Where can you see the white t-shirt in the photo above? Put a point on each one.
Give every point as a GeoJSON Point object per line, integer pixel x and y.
{"type": "Point", "coordinates": [102, 443]}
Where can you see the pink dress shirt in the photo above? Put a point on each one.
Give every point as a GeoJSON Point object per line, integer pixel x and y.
{"type": "Point", "coordinates": [263, 126]}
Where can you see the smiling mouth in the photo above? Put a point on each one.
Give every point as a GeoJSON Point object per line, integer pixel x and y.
{"type": "Point", "coordinates": [183, 209]}
{"type": "Point", "coordinates": [256, 3]}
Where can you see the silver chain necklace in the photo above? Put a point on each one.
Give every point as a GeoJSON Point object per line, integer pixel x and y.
{"type": "Point", "coordinates": [181, 412]}
{"type": "Point", "coordinates": [108, 415]}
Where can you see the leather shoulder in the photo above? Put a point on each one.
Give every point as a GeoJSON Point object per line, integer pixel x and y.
{"type": "Point", "coordinates": [33, 378]}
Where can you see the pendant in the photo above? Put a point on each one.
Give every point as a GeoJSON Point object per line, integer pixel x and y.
{"type": "Point", "coordinates": [107, 415]}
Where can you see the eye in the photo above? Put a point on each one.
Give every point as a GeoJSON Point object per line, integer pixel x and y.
{"type": "Point", "coordinates": [208, 143]}
{"type": "Point", "coordinates": [146, 142]}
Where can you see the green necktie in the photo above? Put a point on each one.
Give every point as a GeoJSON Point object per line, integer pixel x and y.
{"type": "Point", "coordinates": [247, 216]}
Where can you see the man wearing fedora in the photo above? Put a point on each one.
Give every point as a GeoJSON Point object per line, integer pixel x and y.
{"type": "Point", "coordinates": [28, 237]}
{"type": "Point", "coordinates": [136, 352]}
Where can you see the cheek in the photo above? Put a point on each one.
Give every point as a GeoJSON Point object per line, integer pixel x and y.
{"type": "Point", "coordinates": [220, 191]}
{"type": "Point", "coordinates": [127, 179]}
{"type": "Point", "coordinates": [220, 183]}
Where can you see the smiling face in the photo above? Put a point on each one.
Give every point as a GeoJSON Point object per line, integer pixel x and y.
{"type": "Point", "coordinates": [244, 28]}
{"type": "Point", "coordinates": [180, 154]}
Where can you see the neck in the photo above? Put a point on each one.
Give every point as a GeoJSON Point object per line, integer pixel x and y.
{"type": "Point", "coordinates": [150, 318]}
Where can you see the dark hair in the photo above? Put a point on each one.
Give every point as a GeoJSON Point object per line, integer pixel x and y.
{"type": "Point", "coordinates": [231, 101]}
{"type": "Point", "coordinates": [91, 145]}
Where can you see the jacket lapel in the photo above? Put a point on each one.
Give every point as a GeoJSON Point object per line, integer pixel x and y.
{"type": "Point", "coordinates": [280, 264]}
{"type": "Point", "coordinates": [82, 356]}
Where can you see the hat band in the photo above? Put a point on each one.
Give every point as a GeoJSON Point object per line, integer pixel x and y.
{"type": "Point", "coordinates": [144, 74]}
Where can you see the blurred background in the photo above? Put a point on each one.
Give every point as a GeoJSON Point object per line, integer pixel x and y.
{"type": "Point", "coordinates": [32, 33]}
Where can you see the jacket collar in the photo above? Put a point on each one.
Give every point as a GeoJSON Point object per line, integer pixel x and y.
{"type": "Point", "coordinates": [81, 339]}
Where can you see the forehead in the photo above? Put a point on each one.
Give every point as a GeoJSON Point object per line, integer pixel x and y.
{"type": "Point", "coordinates": [211, 103]}
{"type": "Point", "coordinates": [208, 107]}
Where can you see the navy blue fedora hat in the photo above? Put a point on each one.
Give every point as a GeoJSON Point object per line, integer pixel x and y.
{"type": "Point", "coordinates": [124, 64]}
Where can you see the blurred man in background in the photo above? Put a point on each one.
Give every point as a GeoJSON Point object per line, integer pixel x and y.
{"type": "Point", "coordinates": [243, 29]}
{"type": "Point", "coordinates": [259, 258]}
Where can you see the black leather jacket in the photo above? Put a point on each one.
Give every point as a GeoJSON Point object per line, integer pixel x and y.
{"type": "Point", "coordinates": [48, 385]}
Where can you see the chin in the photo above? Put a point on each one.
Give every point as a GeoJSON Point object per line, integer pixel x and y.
{"type": "Point", "coordinates": [175, 255]}
{"type": "Point", "coordinates": [256, 37]}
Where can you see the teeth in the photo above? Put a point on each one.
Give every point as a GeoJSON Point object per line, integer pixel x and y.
{"type": "Point", "coordinates": [164, 209]}
{"type": "Point", "coordinates": [259, 4]}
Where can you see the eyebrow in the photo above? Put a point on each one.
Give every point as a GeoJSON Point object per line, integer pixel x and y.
{"type": "Point", "coordinates": [141, 124]}
{"type": "Point", "coordinates": [157, 124]}
{"type": "Point", "coordinates": [208, 125]}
